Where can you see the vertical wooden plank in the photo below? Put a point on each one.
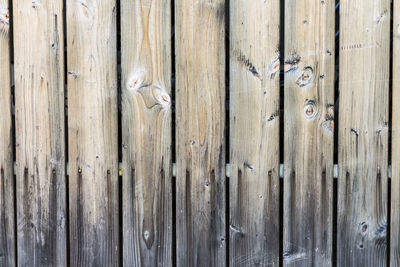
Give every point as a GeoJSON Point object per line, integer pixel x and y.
{"type": "Point", "coordinates": [309, 128]}
{"type": "Point", "coordinates": [200, 114]}
{"type": "Point", "coordinates": [363, 132]}
{"type": "Point", "coordinates": [254, 133]}
{"type": "Point", "coordinates": [7, 232]}
{"type": "Point", "coordinates": [39, 119]}
{"type": "Point", "coordinates": [395, 181]}
{"type": "Point", "coordinates": [146, 127]}
{"type": "Point", "coordinates": [92, 131]}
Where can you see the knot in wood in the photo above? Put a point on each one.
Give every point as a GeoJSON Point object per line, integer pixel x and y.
{"type": "Point", "coordinates": [148, 238]}
{"type": "Point", "coordinates": [310, 110]}
{"type": "Point", "coordinates": [161, 97]}
{"type": "Point", "coordinates": [36, 3]}
{"type": "Point", "coordinates": [4, 16]}
{"type": "Point", "coordinates": [146, 235]}
{"type": "Point", "coordinates": [291, 63]}
{"type": "Point", "coordinates": [137, 80]}
{"type": "Point", "coordinates": [73, 73]}
{"type": "Point", "coordinates": [274, 66]}
{"type": "Point", "coordinates": [330, 111]}
{"type": "Point", "coordinates": [306, 77]}
{"type": "Point", "coordinates": [380, 17]}
{"type": "Point", "coordinates": [364, 228]}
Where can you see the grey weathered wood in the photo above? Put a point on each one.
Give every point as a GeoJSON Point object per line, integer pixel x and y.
{"type": "Point", "coordinates": [395, 182]}
{"type": "Point", "coordinates": [308, 132]}
{"type": "Point", "coordinates": [7, 232]}
{"type": "Point", "coordinates": [363, 132]}
{"type": "Point", "coordinates": [200, 115]}
{"type": "Point", "coordinates": [254, 133]}
{"type": "Point", "coordinates": [40, 138]}
{"type": "Point", "coordinates": [93, 133]}
{"type": "Point", "coordinates": [146, 132]}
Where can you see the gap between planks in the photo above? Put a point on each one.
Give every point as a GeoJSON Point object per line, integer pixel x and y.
{"type": "Point", "coordinates": [228, 170]}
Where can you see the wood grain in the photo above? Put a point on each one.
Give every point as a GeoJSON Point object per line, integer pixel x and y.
{"type": "Point", "coordinates": [254, 133]}
{"type": "Point", "coordinates": [7, 190]}
{"type": "Point", "coordinates": [395, 181]}
{"type": "Point", "coordinates": [93, 133]}
{"type": "Point", "coordinates": [200, 114]}
{"type": "Point", "coordinates": [363, 132]}
{"type": "Point", "coordinates": [40, 138]}
{"type": "Point", "coordinates": [146, 127]}
{"type": "Point", "coordinates": [308, 132]}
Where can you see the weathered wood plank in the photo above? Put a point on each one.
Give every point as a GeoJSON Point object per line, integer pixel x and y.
{"type": "Point", "coordinates": [395, 181]}
{"type": "Point", "coordinates": [200, 114]}
{"type": "Point", "coordinates": [146, 132]}
{"type": "Point", "coordinates": [254, 133]}
{"type": "Point", "coordinates": [7, 190]}
{"type": "Point", "coordinates": [308, 134]}
{"type": "Point", "coordinates": [363, 132]}
{"type": "Point", "coordinates": [40, 138]}
{"type": "Point", "coordinates": [92, 129]}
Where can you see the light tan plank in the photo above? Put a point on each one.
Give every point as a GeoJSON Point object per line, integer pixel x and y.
{"type": "Point", "coordinates": [146, 126]}
{"type": "Point", "coordinates": [254, 133]}
{"type": "Point", "coordinates": [200, 114]}
{"type": "Point", "coordinates": [7, 190]}
{"type": "Point", "coordinates": [40, 139]}
{"type": "Point", "coordinates": [308, 132]}
{"type": "Point", "coordinates": [93, 133]}
{"type": "Point", "coordinates": [395, 185]}
{"type": "Point", "coordinates": [363, 132]}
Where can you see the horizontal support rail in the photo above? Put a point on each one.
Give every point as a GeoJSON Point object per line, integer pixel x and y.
{"type": "Point", "coordinates": [228, 170]}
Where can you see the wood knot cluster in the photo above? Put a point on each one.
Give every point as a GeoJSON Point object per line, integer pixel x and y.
{"type": "Point", "coordinates": [151, 93]}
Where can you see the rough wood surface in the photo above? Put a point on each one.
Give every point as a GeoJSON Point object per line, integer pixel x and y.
{"type": "Point", "coordinates": [40, 138]}
{"type": "Point", "coordinates": [395, 181]}
{"type": "Point", "coordinates": [93, 133]}
{"type": "Point", "coordinates": [308, 136]}
{"type": "Point", "coordinates": [363, 132]}
{"type": "Point", "coordinates": [200, 116]}
{"type": "Point", "coordinates": [254, 133]}
{"type": "Point", "coordinates": [146, 132]}
{"type": "Point", "coordinates": [7, 231]}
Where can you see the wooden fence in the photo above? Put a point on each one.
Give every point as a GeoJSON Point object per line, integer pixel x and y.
{"type": "Point", "coordinates": [155, 133]}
